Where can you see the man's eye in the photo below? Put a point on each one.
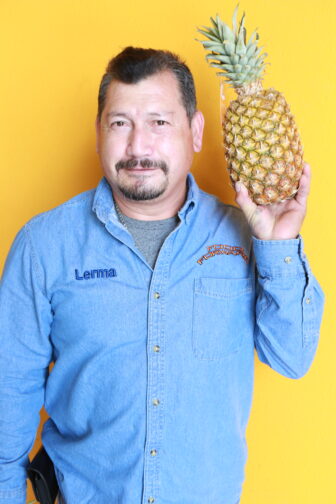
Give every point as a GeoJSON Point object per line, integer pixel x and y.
{"type": "Point", "coordinates": [117, 124]}
{"type": "Point", "coordinates": [161, 122]}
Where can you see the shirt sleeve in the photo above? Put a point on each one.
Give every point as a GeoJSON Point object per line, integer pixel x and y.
{"type": "Point", "coordinates": [289, 307]}
{"type": "Point", "coordinates": [25, 354]}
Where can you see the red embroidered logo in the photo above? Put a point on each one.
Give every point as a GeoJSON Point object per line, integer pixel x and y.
{"type": "Point", "coordinates": [223, 249]}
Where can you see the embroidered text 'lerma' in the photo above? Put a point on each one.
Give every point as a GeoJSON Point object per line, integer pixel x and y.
{"type": "Point", "coordinates": [96, 273]}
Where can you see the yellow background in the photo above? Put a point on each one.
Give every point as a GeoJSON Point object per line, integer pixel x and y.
{"type": "Point", "coordinates": [53, 55]}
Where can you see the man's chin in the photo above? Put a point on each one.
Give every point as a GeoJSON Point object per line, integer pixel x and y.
{"type": "Point", "coordinates": [141, 193]}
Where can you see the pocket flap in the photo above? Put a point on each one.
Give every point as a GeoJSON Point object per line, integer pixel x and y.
{"type": "Point", "coordinates": [223, 287]}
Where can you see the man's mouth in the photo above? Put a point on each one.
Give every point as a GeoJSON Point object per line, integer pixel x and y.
{"type": "Point", "coordinates": [139, 168]}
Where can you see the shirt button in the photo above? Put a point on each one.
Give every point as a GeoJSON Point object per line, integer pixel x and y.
{"type": "Point", "coordinates": [156, 348]}
{"type": "Point", "coordinates": [308, 300]}
{"type": "Point", "coordinates": [156, 402]}
{"type": "Point", "coordinates": [153, 453]}
{"type": "Point", "coordinates": [151, 500]}
{"type": "Point", "coordinates": [288, 259]}
{"type": "Point", "coordinates": [156, 295]}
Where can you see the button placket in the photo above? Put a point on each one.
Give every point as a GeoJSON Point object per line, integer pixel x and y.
{"type": "Point", "coordinates": [156, 364]}
{"type": "Point", "coordinates": [156, 382]}
{"type": "Point", "coordinates": [155, 386]}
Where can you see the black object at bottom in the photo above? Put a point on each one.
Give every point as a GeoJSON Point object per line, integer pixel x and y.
{"type": "Point", "coordinates": [41, 473]}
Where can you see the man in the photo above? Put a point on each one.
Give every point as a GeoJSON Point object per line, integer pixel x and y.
{"type": "Point", "coordinates": [150, 297]}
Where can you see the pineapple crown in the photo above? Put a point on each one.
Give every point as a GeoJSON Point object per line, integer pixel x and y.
{"type": "Point", "coordinates": [240, 62]}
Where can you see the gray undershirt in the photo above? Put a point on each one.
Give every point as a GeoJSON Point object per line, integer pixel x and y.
{"type": "Point", "coordinates": [150, 235]}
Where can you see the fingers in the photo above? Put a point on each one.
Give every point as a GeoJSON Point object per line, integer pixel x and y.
{"type": "Point", "coordinates": [304, 187]}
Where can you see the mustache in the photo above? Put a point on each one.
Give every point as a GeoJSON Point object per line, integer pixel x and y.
{"type": "Point", "coordinates": [144, 163]}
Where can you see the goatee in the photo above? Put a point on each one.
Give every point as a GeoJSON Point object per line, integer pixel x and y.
{"type": "Point", "coordinates": [138, 191]}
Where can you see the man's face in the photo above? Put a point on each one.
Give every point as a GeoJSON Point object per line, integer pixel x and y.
{"type": "Point", "coordinates": [144, 139]}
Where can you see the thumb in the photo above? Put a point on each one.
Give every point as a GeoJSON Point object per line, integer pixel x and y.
{"type": "Point", "coordinates": [243, 199]}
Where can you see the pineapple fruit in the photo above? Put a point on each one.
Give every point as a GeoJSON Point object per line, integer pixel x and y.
{"type": "Point", "coordinates": [262, 145]}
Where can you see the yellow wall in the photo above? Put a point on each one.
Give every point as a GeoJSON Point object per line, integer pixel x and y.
{"type": "Point", "coordinates": [53, 54]}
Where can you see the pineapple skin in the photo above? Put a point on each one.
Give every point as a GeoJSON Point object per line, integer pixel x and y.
{"type": "Point", "coordinates": [262, 146]}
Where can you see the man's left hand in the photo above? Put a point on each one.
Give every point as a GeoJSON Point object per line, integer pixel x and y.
{"type": "Point", "coordinates": [279, 221]}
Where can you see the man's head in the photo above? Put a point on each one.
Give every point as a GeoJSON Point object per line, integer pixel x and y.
{"type": "Point", "coordinates": [134, 64]}
{"type": "Point", "coordinates": [147, 127]}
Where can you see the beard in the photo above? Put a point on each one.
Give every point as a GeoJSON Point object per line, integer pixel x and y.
{"type": "Point", "coordinates": [140, 188]}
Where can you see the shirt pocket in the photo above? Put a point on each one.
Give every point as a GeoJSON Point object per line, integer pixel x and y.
{"type": "Point", "coordinates": [223, 311]}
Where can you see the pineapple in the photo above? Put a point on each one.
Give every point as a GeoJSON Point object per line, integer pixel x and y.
{"type": "Point", "coordinates": [262, 145]}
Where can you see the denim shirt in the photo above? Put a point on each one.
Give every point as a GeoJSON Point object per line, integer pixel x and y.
{"type": "Point", "coordinates": [151, 387]}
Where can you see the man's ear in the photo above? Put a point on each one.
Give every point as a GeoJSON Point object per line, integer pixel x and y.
{"type": "Point", "coordinates": [97, 124]}
{"type": "Point", "coordinates": [197, 126]}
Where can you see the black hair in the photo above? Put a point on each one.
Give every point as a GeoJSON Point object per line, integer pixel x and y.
{"type": "Point", "coordinates": [134, 64]}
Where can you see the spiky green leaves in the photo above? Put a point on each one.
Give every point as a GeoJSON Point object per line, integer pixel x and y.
{"type": "Point", "coordinates": [240, 62]}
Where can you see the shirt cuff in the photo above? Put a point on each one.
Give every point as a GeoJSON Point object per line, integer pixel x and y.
{"type": "Point", "coordinates": [280, 258]}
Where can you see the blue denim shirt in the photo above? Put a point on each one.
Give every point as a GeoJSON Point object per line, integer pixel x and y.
{"type": "Point", "coordinates": [151, 389]}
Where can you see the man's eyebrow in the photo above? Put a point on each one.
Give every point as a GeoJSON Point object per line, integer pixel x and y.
{"type": "Point", "coordinates": [114, 113]}
{"type": "Point", "coordinates": [162, 113]}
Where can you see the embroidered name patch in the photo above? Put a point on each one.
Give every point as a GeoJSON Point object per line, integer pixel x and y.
{"type": "Point", "coordinates": [223, 249]}
{"type": "Point", "coordinates": [95, 273]}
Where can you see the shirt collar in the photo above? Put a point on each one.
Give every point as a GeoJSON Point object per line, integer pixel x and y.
{"type": "Point", "coordinates": [191, 200]}
{"type": "Point", "coordinates": [103, 203]}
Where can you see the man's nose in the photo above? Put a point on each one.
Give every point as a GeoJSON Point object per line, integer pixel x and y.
{"type": "Point", "coordinates": [140, 143]}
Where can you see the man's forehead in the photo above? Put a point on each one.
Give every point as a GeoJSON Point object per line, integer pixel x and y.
{"type": "Point", "coordinates": [160, 86]}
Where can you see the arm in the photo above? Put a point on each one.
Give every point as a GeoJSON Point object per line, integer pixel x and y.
{"type": "Point", "coordinates": [25, 319]}
{"type": "Point", "coordinates": [290, 301]}
{"type": "Point", "coordinates": [289, 307]}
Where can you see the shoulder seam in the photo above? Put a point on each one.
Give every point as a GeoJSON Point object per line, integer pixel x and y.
{"type": "Point", "coordinates": [78, 200]}
{"type": "Point", "coordinates": [213, 196]}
